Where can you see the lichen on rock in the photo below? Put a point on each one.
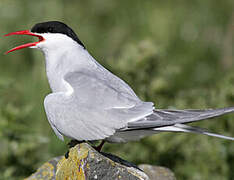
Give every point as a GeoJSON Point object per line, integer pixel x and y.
{"type": "Point", "coordinates": [85, 163]}
{"type": "Point", "coordinates": [47, 171]}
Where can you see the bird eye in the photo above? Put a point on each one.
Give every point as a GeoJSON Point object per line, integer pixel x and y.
{"type": "Point", "coordinates": [50, 29]}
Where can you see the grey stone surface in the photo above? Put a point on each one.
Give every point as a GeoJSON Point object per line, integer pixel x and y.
{"type": "Point", "coordinates": [84, 162]}
{"type": "Point", "coordinates": [157, 172]}
{"type": "Point", "coordinates": [46, 171]}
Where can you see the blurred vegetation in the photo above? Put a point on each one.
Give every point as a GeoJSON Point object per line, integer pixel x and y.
{"type": "Point", "coordinates": [178, 54]}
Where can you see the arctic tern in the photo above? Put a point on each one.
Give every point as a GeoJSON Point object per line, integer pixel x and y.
{"type": "Point", "coordinates": [90, 103]}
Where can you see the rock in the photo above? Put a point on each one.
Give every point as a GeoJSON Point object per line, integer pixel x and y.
{"type": "Point", "coordinates": [84, 162]}
{"type": "Point", "coordinates": [47, 171]}
{"type": "Point", "coordinates": [157, 172]}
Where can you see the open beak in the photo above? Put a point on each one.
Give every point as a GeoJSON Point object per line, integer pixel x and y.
{"type": "Point", "coordinates": [25, 32]}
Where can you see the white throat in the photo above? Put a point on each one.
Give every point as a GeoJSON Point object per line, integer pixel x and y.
{"type": "Point", "coordinates": [62, 55]}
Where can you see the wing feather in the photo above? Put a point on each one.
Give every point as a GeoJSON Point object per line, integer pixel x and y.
{"type": "Point", "coordinates": [164, 117]}
{"type": "Point", "coordinates": [96, 108]}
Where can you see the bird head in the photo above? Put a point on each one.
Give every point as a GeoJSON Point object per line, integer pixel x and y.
{"type": "Point", "coordinates": [52, 35]}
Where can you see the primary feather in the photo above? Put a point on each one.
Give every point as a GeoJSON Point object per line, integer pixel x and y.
{"type": "Point", "coordinates": [163, 120]}
{"type": "Point", "coordinates": [166, 117]}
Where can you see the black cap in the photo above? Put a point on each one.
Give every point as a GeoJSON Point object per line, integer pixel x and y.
{"type": "Point", "coordinates": [56, 27]}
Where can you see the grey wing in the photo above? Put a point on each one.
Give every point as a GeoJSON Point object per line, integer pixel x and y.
{"type": "Point", "coordinates": [109, 93]}
{"type": "Point", "coordinates": [164, 117]}
{"type": "Point", "coordinates": [76, 121]}
{"type": "Point", "coordinates": [94, 109]}
{"type": "Point", "coordinates": [174, 121]}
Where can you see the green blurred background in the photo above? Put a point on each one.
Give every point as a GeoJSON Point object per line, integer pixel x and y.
{"type": "Point", "coordinates": [178, 54]}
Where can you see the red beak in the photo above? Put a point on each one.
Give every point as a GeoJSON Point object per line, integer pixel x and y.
{"type": "Point", "coordinates": [25, 32]}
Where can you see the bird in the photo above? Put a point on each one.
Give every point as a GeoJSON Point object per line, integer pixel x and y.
{"type": "Point", "coordinates": [89, 103]}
